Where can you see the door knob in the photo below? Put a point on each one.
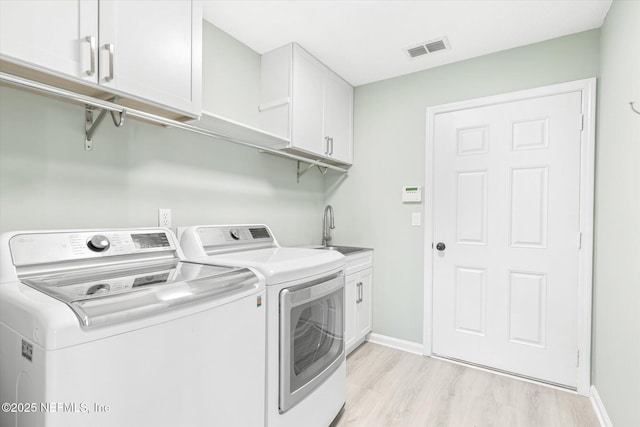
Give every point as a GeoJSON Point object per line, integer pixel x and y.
{"type": "Point", "coordinates": [440, 246]}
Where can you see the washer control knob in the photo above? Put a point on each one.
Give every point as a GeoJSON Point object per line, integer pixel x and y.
{"type": "Point", "coordinates": [234, 233]}
{"type": "Point", "coordinates": [100, 289]}
{"type": "Point", "coordinates": [98, 243]}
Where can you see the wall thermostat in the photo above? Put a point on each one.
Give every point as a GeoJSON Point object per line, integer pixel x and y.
{"type": "Point", "coordinates": [412, 194]}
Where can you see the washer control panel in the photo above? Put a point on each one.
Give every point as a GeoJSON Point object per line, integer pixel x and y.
{"type": "Point", "coordinates": [218, 236]}
{"type": "Point", "coordinates": [100, 288]}
{"type": "Point", "coordinates": [41, 248]}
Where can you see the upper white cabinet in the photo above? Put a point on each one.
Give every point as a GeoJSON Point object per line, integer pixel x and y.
{"type": "Point", "coordinates": [338, 117]}
{"type": "Point", "coordinates": [304, 101]}
{"type": "Point", "coordinates": [153, 46]}
{"type": "Point", "coordinates": [58, 36]}
{"type": "Point", "coordinates": [150, 52]}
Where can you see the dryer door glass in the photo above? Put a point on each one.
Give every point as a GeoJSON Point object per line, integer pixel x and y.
{"type": "Point", "coordinates": [312, 337]}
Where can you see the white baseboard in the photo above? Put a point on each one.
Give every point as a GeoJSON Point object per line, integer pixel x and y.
{"type": "Point", "coordinates": [408, 346]}
{"type": "Point", "coordinates": [599, 408]}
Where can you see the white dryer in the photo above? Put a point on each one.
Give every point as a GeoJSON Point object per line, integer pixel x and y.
{"type": "Point", "coordinates": [306, 369]}
{"type": "Point", "coordinates": [113, 328]}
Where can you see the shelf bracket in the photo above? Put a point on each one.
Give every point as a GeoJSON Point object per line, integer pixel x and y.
{"type": "Point", "coordinates": [90, 125]}
{"type": "Point", "coordinates": [302, 172]}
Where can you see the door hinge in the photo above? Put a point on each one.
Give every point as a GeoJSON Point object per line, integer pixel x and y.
{"type": "Point", "coordinates": [580, 240]}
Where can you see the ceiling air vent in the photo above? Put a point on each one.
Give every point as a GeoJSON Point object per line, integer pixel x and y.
{"type": "Point", "coordinates": [417, 51]}
{"type": "Point", "coordinates": [431, 46]}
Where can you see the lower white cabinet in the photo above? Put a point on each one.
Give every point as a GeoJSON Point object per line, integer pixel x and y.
{"type": "Point", "coordinates": [358, 283]}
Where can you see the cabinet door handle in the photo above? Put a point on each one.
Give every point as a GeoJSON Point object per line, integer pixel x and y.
{"type": "Point", "coordinates": [326, 150]}
{"type": "Point", "coordinates": [359, 298]}
{"type": "Point", "coordinates": [92, 55]}
{"type": "Point", "coordinates": [109, 47]}
{"type": "Point", "coordinates": [331, 152]}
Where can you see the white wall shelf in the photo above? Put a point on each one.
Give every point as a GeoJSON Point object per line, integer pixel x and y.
{"type": "Point", "coordinates": [210, 125]}
{"type": "Point", "coordinates": [239, 131]}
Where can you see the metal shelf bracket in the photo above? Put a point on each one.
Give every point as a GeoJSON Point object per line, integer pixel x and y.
{"type": "Point", "coordinates": [90, 125]}
{"type": "Point", "coordinates": [302, 171]}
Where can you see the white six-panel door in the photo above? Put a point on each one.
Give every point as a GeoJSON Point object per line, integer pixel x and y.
{"type": "Point", "coordinates": [506, 205]}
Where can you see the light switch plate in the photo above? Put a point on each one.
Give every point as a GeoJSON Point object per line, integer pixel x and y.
{"type": "Point", "coordinates": [416, 219]}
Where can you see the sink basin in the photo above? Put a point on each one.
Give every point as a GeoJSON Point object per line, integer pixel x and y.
{"type": "Point", "coordinates": [344, 250]}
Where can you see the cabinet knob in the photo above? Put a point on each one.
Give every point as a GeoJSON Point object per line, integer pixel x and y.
{"type": "Point", "coordinates": [440, 246]}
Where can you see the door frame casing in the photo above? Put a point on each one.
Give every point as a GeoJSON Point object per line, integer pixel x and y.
{"type": "Point", "coordinates": [587, 87]}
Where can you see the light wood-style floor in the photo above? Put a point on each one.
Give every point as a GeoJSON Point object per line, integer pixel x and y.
{"type": "Point", "coordinates": [388, 387]}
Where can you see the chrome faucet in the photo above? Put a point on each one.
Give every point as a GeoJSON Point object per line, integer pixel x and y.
{"type": "Point", "coordinates": [328, 225]}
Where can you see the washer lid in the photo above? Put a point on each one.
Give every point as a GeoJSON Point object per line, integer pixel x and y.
{"type": "Point", "coordinates": [109, 296]}
{"type": "Point", "coordinates": [280, 265]}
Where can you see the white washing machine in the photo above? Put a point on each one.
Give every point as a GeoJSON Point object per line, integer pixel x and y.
{"type": "Point", "coordinates": [306, 369]}
{"type": "Point", "coordinates": [113, 328]}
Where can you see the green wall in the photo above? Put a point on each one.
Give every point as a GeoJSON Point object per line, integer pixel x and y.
{"type": "Point", "coordinates": [389, 133]}
{"type": "Point", "coordinates": [230, 78]}
{"type": "Point", "coordinates": [616, 322]}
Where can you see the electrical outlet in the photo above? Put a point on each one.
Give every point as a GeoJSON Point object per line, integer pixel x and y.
{"type": "Point", "coordinates": [164, 218]}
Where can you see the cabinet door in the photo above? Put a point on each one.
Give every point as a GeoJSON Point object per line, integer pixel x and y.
{"type": "Point", "coordinates": [350, 311]}
{"type": "Point", "coordinates": [364, 307]}
{"type": "Point", "coordinates": [50, 35]}
{"type": "Point", "coordinates": [338, 115]}
{"type": "Point", "coordinates": [308, 99]}
{"type": "Point", "coordinates": [155, 50]}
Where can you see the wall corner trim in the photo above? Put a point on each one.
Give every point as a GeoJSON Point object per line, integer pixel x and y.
{"type": "Point", "coordinates": [408, 346]}
{"type": "Point", "coordinates": [599, 408]}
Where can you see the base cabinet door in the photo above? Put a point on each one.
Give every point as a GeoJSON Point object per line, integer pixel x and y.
{"type": "Point", "coordinates": [364, 305]}
{"type": "Point", "coordinates": [358, 292]}
{"type": "Point", "coordinates": [351, 312]}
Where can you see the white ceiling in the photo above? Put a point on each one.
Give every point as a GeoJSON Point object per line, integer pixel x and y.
{"type": "Point", "coordinates": [365, 41]}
